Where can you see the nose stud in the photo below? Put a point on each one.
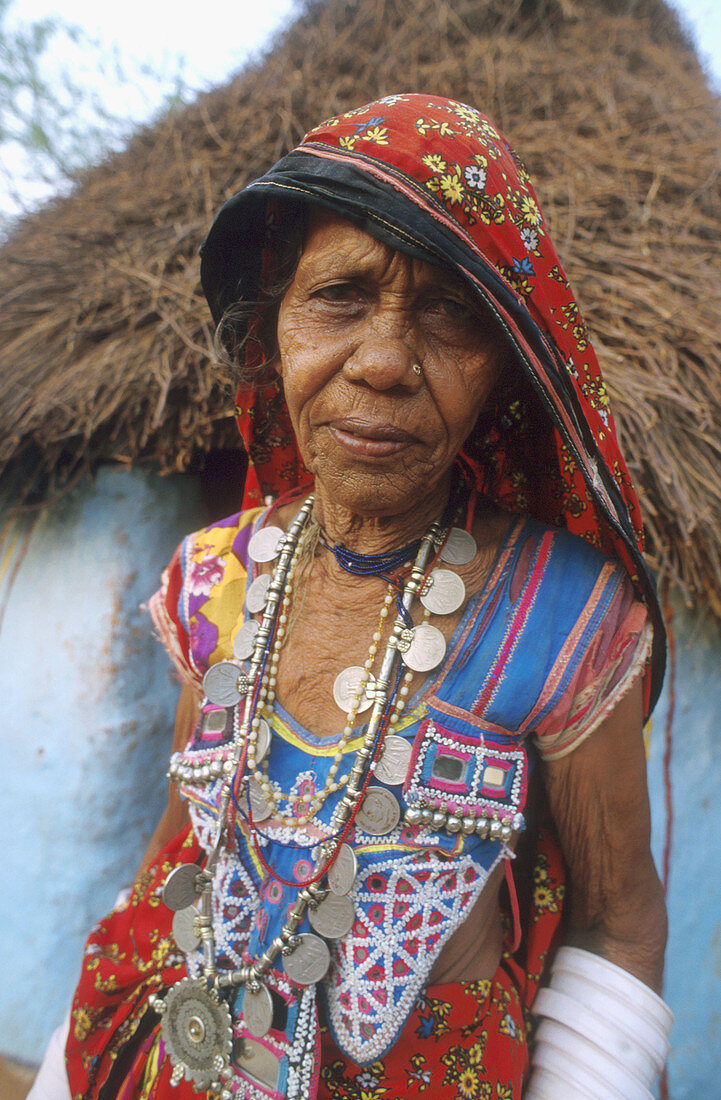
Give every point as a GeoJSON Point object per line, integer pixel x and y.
{"type": "Point", "coordinates": [417, 368]}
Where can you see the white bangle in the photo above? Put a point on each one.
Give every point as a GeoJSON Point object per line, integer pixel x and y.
{"type": "Point", "coordinates": [603, 1036]}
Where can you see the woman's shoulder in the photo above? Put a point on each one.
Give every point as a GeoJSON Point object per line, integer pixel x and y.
{"type": "Point", "coordinates": [196, 607]}
{"type": "Point", "coordinates": [223, 540]}
{"type": "Point", "coordinates": [563, 557]}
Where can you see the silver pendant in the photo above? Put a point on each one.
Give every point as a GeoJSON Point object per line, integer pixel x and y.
{"type": "Point", "coordinates": [185, 927]}
{"type": "Point", "coordinates": [460, 547]}
{"type": "Point", "coordinates": [343, 870]}
{"type": "Point", "coordinates": [427, 649]}
{"type": "Point", "coordinates": [395, 760]}
{"type": "Point", "coordinates": [445, 594]}
{"type": "Point", "coordinates": [333, 918]}
{"type": "Point", "coordinates": [180, 889]}
{"type": "Point", "coordinates": [224, 684]}
{"type": "Point", "coordinates": [244, 641]}
{"type": "Point", "coordinates": [197, 1032]}
{"type": "Point", "coordinates": [345, 689]}
{"type": "Point", "coordinates": [256, 595]}
{"type": "Point", "coordinates": [266, 544]}
{"type": "Point", "coordinates": [309, 961]}
{"type": "Point", "coordinates": [257, 1011]}
{"type": "Point", "coordinates": [262, 741]}
{"type": "Point", "coordinates": [258, 805]}
{"type": "Point", "coordinates": [379, 812]}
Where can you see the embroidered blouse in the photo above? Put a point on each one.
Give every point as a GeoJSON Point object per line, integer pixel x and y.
{"type": "Point", "coordinates": [541, 656]}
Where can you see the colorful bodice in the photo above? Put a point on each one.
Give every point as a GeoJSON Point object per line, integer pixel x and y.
{"type": "Point", "coordinates": [547, 647]}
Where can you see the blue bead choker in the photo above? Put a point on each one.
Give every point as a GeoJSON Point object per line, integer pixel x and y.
{"type": "Point", "coordinates": [371, 565]}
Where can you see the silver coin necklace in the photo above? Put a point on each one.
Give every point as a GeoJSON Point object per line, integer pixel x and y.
{"type": "Point", "coordinates": [196, 1021]}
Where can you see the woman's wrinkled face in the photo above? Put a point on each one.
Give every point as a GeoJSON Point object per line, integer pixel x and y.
{"type": "Point", "coordinates": [358, 315]}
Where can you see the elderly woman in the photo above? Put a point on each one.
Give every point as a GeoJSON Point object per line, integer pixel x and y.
{"type": "Point", "coordinates": [416, 666]}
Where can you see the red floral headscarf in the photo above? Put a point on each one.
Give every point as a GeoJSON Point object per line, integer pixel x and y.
{"type": "Point", "coordinates": [435, 179]}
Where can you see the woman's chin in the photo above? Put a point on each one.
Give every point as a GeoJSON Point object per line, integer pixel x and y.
{"type": "Point", "coordinates": [373, 490]}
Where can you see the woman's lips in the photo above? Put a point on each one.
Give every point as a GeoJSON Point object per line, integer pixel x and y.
{"type": "Point", "coordinates": [369, 439]}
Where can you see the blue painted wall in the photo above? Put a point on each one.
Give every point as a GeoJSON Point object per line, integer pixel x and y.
{"type": "Point", "coordinates": [693, 960]}
{"type": "Point", "coordinates": [87, 713]}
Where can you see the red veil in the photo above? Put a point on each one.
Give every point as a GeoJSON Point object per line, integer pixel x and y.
{"type": "Point", "coordinates": [434, 178]}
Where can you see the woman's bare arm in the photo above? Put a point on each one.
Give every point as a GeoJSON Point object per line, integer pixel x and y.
{"type": "Point", "coordinates": [175, 816]}
{"type": "Point", "coordinates": [599, 800]}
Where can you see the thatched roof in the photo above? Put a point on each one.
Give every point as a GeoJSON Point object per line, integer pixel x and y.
{"type": "Point", "coordinates": [104, 335]}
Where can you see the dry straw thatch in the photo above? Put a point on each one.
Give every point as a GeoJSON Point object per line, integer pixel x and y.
{"type": "Point", "coordinates": [104, 335]}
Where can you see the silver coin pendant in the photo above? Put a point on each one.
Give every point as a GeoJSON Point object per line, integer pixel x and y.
{"type": "Point", "coordinates": [266, 544]}
{"type": "Point", "coordinates": [460, 547]}
{"type": "Point", "coordinates": [343, 870]}
{"type": "Point", "coordinates": [180, 889]}
{"type": "Point", "coordinates": [262, 740]}
{"type": "Point", "coordinates": [346, 687]}
{"type": "Point", "coordinates": [185, 927]}
{"type": "Point", "coordinates": [309, 961]}
{"type": "Point", "coordinates": [244, 641]}
{"type": "Point", "coordinates": [392, 768]}
{"type": "Point", "coordinates": [257, 1010]}
{"type": "Point", "coordinates": [427, 649]}
{"type": "Point", "coordinates": [445, 594]}
{"type": "Point", "coordinates": [222, 684]}
{"type": "Point", "coordinates": [258, 805]}
{"type": "Point", "coordinates": [257, 593]}
{"type": "Point", "coordinates": [334, 917]}
{"type": "Point", "coordinates": [379, 812]}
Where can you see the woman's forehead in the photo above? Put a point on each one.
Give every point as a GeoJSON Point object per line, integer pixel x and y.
{"type": "Point", "coordinates": [332, 239]}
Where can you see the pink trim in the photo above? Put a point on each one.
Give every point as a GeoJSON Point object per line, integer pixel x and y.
{"type": "Point", "coordinates": [519, 620]}
{"type": "Point", "coordinates": [481, 597]}
{"type": "Point", "coordinates": [571, 644]}
{"type": "Point", "coordinates": [445, 785]}
{"type": "Point", "coordinates": [623, 687]}
{"type": "Point", "coordinates": [458, 753]}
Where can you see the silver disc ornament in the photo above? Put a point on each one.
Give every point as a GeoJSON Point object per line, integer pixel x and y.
{"type": "Point", "coordinates": [257, 1011]}
{"type": "Point", "coordinates": [224, 684]}
{"type": "Point", "coordinates": [346, 685]}
{"type": "Point", "coordinates": [257, 593]}
{"type": "Point", "coordinates": [244, 641]}
{"type": "Point", "coordinates": [185, 929]}
{"type": "Point", "coordinates": [259, 807]}
{"type": "Point", "coordinates": [445, 594]}
{"type": "Point", "coordinates": [197, 1032]}
{"type": "Point", "coordinates": [309, 961]}
{"type": "Point", "coordinates": [266, 544]}
{"type": "Point", "coordinates": [379, 812]}
{"type": "Point", "coordinates": [343, 870]}
{"type": "Point", "coordinates": [460, 547]}
{"type": "Point", "coordinates": [395, 760]}
{"type": "Point", "coordinates": [427, 648]}
{"type": "Point", "coordinates": [181, 886]}
{"type": "Point", "coordinates": [262, 740]}
{"type": "Point", "coordinates": [333, 917]}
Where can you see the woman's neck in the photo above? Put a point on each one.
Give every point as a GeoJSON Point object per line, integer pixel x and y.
{"type": "Point", "coordinates": [372, 534]}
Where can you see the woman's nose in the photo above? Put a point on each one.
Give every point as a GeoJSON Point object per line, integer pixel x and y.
{"type": "Point", "coordinates": [383, 362]}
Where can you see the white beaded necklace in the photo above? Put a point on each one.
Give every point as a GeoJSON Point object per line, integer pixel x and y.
{"type": "Point", "coordinates": [196, 1022]}
{"type": "Point", "coordinates": [266, 699]}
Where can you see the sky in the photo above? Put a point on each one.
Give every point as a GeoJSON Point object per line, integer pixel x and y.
{"type": "Point", "coordinates": [206, 45]}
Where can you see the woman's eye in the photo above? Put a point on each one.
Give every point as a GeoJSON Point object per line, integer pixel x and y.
{"type": "Point", "coordinates": [453, 308]}
{"type": "Point", "coordinates": [338, 292]}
